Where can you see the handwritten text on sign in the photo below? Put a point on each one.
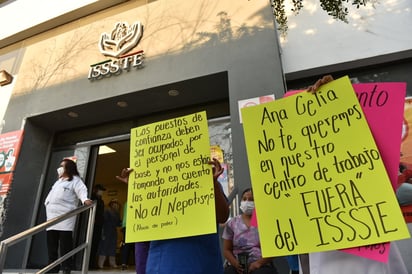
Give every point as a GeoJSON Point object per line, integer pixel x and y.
{"type": "Point", "coordinates": [383, 105]}
{"type": "Point", "coordinates": [318, 178]}
{"type": "Point", "coordinates": [170, 191]}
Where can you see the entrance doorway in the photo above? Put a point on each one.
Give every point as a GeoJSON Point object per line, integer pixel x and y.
{"type": "Point", "coordinates": [100, 160]}
{"type": "Point", "coordinates": [111, 159]}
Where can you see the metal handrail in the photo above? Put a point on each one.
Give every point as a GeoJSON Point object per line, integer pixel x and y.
{"type": "Point", "coordinates": [4, 245]}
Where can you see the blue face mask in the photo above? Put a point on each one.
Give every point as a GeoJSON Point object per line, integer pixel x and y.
{"type": "Point", "coordinates": [247, 207]}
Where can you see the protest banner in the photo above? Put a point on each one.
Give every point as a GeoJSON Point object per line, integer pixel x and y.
{"type": "Point", "coordinates": [10, 144]}
{"type": "Point", "coordinates": [170, 191]}
{"type": "Point", "coordinates": [315, 169]}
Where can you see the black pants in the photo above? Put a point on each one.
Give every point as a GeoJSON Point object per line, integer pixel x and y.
{"type": "Point", "coordinates": [64, 240]}
{"type": "Point", "coordinates": [126, 250]}
{"type": "Point", "coordinates": [265, 269]}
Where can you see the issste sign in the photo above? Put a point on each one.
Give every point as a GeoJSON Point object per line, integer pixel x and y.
{"type": "Point", "coordinates": [118, 44]}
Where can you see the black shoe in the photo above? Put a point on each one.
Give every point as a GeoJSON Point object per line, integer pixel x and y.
{"type": "Point", "coordinates": [66, 271]}
{"type": "Point", "coordinates": [124, 267]}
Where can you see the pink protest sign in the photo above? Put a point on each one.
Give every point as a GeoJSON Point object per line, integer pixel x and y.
{"type": "Point", "coordinates": [383, 105]}
{"type": "Point", "coordinates": [377, 252]}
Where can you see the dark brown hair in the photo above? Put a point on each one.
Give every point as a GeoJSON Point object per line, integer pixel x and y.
{"type": "Point", "coordinates": [70, 168]}
{"type": "Point", "coordinates": [246, 190]}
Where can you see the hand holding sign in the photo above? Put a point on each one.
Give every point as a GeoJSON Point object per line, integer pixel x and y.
{"type": "Point", "coordinates": [124, 175]}
{"type": "Point", "coordinates": [170, 187]}
{"type": "Point", "coordinates": [314, 155]}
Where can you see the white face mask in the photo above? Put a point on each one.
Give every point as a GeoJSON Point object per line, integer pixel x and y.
{"type": "Point", "coordinates": [60, 171]}
{"type": "Point", "coordinates": [247, 207]}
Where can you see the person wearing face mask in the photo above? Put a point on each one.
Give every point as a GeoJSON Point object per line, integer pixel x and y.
{"type": "Point", "coordinates": [62, 198]}
{"type": "Point", "coordinates": [241, 244]}
{"type": "Point", "coordinates": [96, 196]}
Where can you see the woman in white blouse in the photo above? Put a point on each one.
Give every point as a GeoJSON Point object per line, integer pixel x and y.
{"type": "Point", "coordinates": [62, 198]}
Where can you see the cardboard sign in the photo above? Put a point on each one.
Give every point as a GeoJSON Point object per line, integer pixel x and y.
{"type": "Point", "coordinates": [170, 191]}
{"type": "Point", "coordinates": [314, 168]}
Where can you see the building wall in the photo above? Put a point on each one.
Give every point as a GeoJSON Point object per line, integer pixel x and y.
{"type": "Point", "coordinates": [172, 33]}
{"type": "Point", "coordinates": [316, 40]}
{"type": "Point", "coordinates": [38, 16]}
{"type": "Point", "coordinates": [182, 40]}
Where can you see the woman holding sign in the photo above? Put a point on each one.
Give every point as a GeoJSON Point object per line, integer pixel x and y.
{"type": "Point", "coordinates": [241, 244]}
{"type": "Point", "coordinates": [190, 255]}
{"type": "Point", "coordinates": [340, 262]}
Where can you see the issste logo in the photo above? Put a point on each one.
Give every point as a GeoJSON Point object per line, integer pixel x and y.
{"type": "Point", "coordinates": [121, 40]}
{"type": "Point", "coordinates": [117, 44]}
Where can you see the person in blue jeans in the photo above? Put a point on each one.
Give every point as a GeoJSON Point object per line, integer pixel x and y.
{"type": "Point", "coordinates": [293, 262]}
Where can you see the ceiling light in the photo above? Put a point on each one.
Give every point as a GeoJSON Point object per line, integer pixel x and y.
{"type": "Point", "coordinates": [122, 104]}
{"type": "Point", "coordinates": [105, 150]}
{"type": "Point", "coordinates": [73, 114]}
{"type": "Point", "coordinates": [5, 78]}
{"type": "Point", "coordinates": [173, 92]}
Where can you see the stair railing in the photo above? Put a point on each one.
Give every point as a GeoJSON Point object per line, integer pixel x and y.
{"type": "Point", "coordinates": [5, 244]}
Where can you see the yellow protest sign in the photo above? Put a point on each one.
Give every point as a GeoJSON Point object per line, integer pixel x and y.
{"type": "Point", "coordinates": [318, 178]}
{"type": "Point", "coordinates": [170, 191]}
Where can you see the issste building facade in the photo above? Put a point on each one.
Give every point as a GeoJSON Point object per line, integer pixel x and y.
{"type": "Point", "coordinates": [88, 76]}
{"type": "Point", "coordinates": [84, 73]}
